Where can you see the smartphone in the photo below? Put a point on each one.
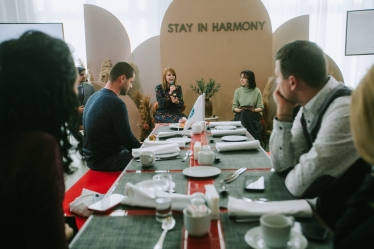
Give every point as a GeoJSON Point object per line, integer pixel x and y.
{"type": "Point", "coordinates": [98, 197]}
{"type": "Point", "coordinates": [311, 231]}
{"type": "Point", "coordinates": [106, 203]}
{"type": "Point", "coordinates": [254, 183]}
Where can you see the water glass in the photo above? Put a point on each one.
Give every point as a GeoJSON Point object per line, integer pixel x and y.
{"type": "Point", "coordinates": [163, 208]}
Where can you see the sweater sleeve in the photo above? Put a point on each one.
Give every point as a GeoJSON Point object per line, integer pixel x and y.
{"type": "Point", "coordinates": [235, 102]}
{"type": "Point", "coordinates": [259, 103]}
{"type": "Point", "coordinates": [122, 126]}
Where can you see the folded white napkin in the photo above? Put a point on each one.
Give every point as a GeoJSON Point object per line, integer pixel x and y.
{"type": "Point", "coordinates": [241, 208]}
{"type": "Point", "coordinates": [148, 143]}
{"type": "Point", "coordinates": [135, 196]}
{"type": "Point", "coordinates": [159, 149]}
{"type": "Point", "coordinates": [235, 123]}
{"type": "Point", "coordinates": [217, 133]}
{"type": "Point", "coordinates": [163, 134]}
{"type": "Point", "coordinates": [80, 204]}
{"type": "Point", "coordinates": [251, 145]}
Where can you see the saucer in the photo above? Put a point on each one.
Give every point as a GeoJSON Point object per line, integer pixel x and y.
{"type": "Point", "coordinates": [253, 237]}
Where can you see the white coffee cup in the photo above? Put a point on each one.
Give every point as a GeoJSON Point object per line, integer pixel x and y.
{"type": "Point", "coordinates": [196, 226]}
{"type": "Point", "coordinates": [276, 229]}
{"type": "Point", "coordinates": [205, 157]}
{"type": "Point", "coordinates": [196, 128]}
{"type": "Point", "coordinates": [147, 158]}
{"type": "Point", "coordinates": [203, 125]}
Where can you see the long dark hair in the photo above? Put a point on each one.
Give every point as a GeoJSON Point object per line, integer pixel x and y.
{"type": "Point", "coordinates": [37, 81]}
{"type": "Point", "coordinates": [250, 76]}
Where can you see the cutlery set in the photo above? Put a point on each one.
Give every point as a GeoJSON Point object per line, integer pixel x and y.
{"type": "Point", "coordinates": [232, 177]}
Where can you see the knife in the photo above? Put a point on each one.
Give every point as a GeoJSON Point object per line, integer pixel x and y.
{"type": "Point", "coordinates": [235, 176]}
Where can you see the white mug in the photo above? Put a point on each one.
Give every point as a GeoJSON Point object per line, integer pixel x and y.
{"type": "Point", "coordinates": [276, 229]}
{"type": "Point", "coordinates": [203, 125]}
{"type": "Point", "coordinates": [147, 158]}
{"type": "Point", "coordinates": [196, 226]}
{"type": "Point", "coordinates": [196, 128]}
{"type": "Point", "coordinates": [206, 157]}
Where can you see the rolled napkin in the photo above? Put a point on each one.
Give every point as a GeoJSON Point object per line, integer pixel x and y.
{"type": "Point", "coordinates": [80, 204]}
{"type": "Point", "coordinates": [163, 134]}
{"type": "Point", "coordinates": [135, 196]}
{"type": "Point", "coordinates": [241, 208]}
{"type": "Point", "coordinates": [218, 133]}
{"type": "Point", "coordinates": [251, 145]}
{"type": "Point", "coordinates": [159, 149]}
{"type": "Point", "coordinates": [148, 143]}
{"type": "Point", "coordinates": [235, 123]}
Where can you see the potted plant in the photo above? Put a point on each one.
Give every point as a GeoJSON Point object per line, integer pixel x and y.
{"type": "Point", "coordinates": [209, 88]}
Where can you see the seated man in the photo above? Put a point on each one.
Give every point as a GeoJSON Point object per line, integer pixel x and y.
{"type": "Point", "coordinates": [108, 137]}
{"type": "Point", "coordinates": [317, 147]}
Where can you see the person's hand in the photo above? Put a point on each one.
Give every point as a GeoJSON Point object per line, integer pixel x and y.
{"type": "Point", "coordinates": [182, 120]}
{"type": "Point", "coordinates": [175, 100]}
{"type": "Point", "coordinates": [284, 106]}
{"type": "Point", "coordinates": [172, 88]}
{"type": "Point", "coordinates": [68, 232]}
{"type": "Point", "coordinates": [80, 109]}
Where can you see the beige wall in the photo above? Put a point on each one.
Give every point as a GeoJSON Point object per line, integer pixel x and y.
{"type": "Point", "coordinates": [105, 38]}
{"type": "Point", "coordinates": [146, 61]}
{"type": "Point", "coordinates": [220, 55]}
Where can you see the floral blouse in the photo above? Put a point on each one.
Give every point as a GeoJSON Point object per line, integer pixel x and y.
{"type": "Point", "coordinates": [167, 111]}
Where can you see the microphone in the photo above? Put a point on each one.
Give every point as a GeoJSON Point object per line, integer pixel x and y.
{"type": "Point", "coordinates": [173, 92]}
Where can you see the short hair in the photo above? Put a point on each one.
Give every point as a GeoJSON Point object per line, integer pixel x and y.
{"type": "Point", "coordinates": [37, 82]}
{"type": "Point", "coordinates": [304, 60]}
{"type": "Point", "coordinates": [121, 68]}
{"type": "Point", "coordinates": [362, 117]}
{"type": "Point", "coordinates": [81, 69]}
{"type": "Point", "coordinates": [250, 76]}
{"type": "Point", "coordinates": [164, 82]}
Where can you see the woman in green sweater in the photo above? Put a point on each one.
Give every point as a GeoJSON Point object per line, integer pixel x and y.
{"type": "Point", "coordinates": [247, 104]}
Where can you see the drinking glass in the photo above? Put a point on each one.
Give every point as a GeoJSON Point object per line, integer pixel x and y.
{"type": "Point", "coordinates": [163, 199]}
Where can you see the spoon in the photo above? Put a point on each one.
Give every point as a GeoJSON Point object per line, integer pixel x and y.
{"type": "Point", "coordinates": [223, 189]}
{"type": "Point", "coordinates": [259, 200]}
{"type": "Point", "coordinates": [217, 159]}
{"type": "Point", "coordinates": [188, 153]}
{"type": "Point", "coordinates": [167, 224]}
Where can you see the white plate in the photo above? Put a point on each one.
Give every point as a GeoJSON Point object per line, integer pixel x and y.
{"type": "Point", "coordinates": [167, 155]}
{"type": "Point", "coordinates": [225, 127]}
{"type": "Point", "coordinates": [150, 185]}
{"type": "Point", "coordinates": [234, 138]}
{"type": "Point", "coordinates": [177, 139]}
{"type": "Point", "coordinates": [175, 126]}
{"type": "Point", "coordinates": [201, 171]}
{"type": "Point", "coordinates": [254, 238]}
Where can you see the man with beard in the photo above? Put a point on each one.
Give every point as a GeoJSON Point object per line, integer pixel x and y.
{"type": "Point", "coordinates": [315, 148]}
{"type": "Point", "coordinates": [108, 139]}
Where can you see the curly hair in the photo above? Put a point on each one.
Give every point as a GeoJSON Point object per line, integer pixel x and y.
{"type": "Point", "coordinates": [37, 82]}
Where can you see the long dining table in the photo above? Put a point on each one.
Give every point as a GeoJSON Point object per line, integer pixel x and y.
{"type": "Point", "coordinates": [136, 227]}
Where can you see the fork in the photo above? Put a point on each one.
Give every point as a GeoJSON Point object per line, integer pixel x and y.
{"type": "Point", "coordinates": [236, 175]}
{"type": "Point", "coordinates": [233, 174]}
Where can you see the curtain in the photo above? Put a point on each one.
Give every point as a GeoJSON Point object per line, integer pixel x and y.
{"type": "Point", "coordinates": [327, 29]}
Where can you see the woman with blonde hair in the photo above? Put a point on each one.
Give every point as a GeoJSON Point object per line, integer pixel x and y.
{"type": "Point", "coordinates": [355, 228]}
{"type": "Point", "coordinates": [170, 99]}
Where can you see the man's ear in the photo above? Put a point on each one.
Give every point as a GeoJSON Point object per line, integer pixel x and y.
{"type": "Point", "coordinates": [294, 82]}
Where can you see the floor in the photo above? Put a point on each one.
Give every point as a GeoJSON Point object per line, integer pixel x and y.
{"type": "Point", "coordinates": [77, 163]}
